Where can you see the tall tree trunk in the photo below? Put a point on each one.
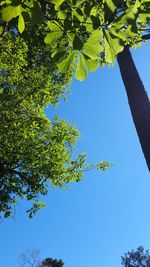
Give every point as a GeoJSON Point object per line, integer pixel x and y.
{"type": "Point", "coordinates": [138, 100]}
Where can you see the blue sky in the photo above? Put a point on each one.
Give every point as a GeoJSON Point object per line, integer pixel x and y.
{"type": "Point", "coordinates": [95, 221]}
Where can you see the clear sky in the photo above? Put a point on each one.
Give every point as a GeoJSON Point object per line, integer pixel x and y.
{"type": "Point", "coordinates": [95, 221]}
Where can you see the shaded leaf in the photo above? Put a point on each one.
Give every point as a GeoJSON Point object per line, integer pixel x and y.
{"type": "Point", "coordinates": [66, 64]}
{"type": "Point", "coordinates": [1, 29]}
{"type": "Point", "coordinates": [77, 43]}
{"type": "Point", "coordinates": [96, 22]}
{"type": "Point", "coordinates": [37, 15]}
{"type": "Point", "coordinates": [109, 8]}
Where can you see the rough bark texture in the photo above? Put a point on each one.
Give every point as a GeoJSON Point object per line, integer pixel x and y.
{"type": "Point", "coordinates": [138, 100]}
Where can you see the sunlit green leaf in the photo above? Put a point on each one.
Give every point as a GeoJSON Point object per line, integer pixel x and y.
{"type": "Point", "coordinates": [57, 2]}
{"type": "Point", "coordinates": [10, 12]}
{"type": "Point", "coordinates": [79, 2]}
{"type": "Point", "coordinates": [81, 70]}
{"type": "Point", "coordinates": [53, 26]}
{"type": "Point", "coordinates": [92, 47]}
{"type": "Point", "coordinates": [92, 65]}
{"type": "Point", "coordinates": [113, 46]}
{"type": "Point", "coordinates": [52, 37]}
{"type": "Point", "coordinates": [21, 24]}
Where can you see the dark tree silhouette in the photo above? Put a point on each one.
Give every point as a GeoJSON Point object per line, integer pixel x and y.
{"type": "Point", "coordinates": [137, 258]}
{"type": "Point", "coordinates": [31, 258]}
{"type": "Point", "coordinates": [50, 262]}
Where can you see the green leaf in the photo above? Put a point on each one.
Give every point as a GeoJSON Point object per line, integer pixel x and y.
{"type": "Point", "coordinates": [81, 71]}
{"type": "Point", "coordinates": [37, 15]}
{"type": "Point", "coordinates": [92, 65]}
{"type": "Point", "coordinates": [120, 34]}
{"type": "Point", "coordinates": [104, 165]}
{"type": "Point", "coordinates": [68, 24]}
{"type": "Point", "coordinates": [93, 11]}
{"type": "Point", "coordinates": [89, 25]}
{"type": "Point", "coordinates": [26, 17]}
{"type": "Point", "coordinates": [1, 29]}
{"type": "Point", "coordinates": [71, 37]}
{"type": "Point", "coordinates": [145, 17]}
{"type": "Point", "coordinates": [128, 17]}
{"type": "Point", "coordinates": [58, 54]}
{"type": "Point", "coordinates": [58, 50]}
{"type": "Point", "coordinates": [90, 53]}
{"type": "Point", "coordinates": [53, 26]}
{"type": "Point", "coordinates": [10, 12]}
{"type": "Point", "coordinates": [66, 64]}
{"type": "Point", "coordinates": [61, 14]}
{"type": "Point", "coordinates": [77, 43]}
{"type": "Point", "coordinates": [109, 8]}
{"type": "Point", "coordinates": [21, 24]}
{"type": "Point", "coordinates": [87, 8]}
{"type": "Point", "coordinates": [96, 36]}
{"type": "Point", "coordinates": [52, 37]}
{"type": "Point", "coordinates": [56, 2]}
{"type": "Point", "coordinates": [79, 2]}
{"type": "Point", "coordinates": [78, 14]}
{"type": "Point", "coordinates": [4, 2]}
{"type": "Point", "coordinates": [75, 22]}
{"type": "Point", "coordinates": [16, 2]}
{"type": "Point", "coordinates": [111, 5]}
{"type": "Point", "coordinates": [113, 46]}
{"type": "Point", "coordinates": [132, 30]}
{"type": "Point", "coordinates": [92, 48]}
{"type": "Point", "coordinates": [96, 22]}
{"type": "Point", "coordinates": [29, 3]}
{"type": "Point", "coordinates": [7, 214]}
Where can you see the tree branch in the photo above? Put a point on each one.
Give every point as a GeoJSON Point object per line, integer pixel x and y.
{"type": "Point", "coordinates": [146, 36]}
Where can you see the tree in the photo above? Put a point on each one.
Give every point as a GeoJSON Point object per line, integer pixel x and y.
{"type": "Point", "coordinates": [31, 259]}
{"type": "Point", "coordinates": [138, 258]}
{"type": "Point", "coordinates": [93, 32]}
{"type": "Point", "coordinates": [50, 262]}
{"type": "Point", "coordinates": [34, 151]}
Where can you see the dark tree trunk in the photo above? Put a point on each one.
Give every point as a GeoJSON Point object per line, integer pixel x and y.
{"type": "Point", "coordinates": [138, 100]}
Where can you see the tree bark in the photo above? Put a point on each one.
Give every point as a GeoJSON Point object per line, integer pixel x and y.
{"type": "Point", "coordinates": [138, 100]}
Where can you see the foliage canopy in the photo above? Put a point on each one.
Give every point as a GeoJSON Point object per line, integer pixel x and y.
{"type": "Point", "coordinates": [93, 32]}
{"type": "Point", "coordinates": [34, 151]}
{"type": "Point", "coordinates": [53, 40]}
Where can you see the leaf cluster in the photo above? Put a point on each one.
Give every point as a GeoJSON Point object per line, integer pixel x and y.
{"type": "Point", "coordinates": [93, 32]}
{"type": "Point", "coordinates": [34, 151]}
{"type": "Point", "coordinates": [52, 263]}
